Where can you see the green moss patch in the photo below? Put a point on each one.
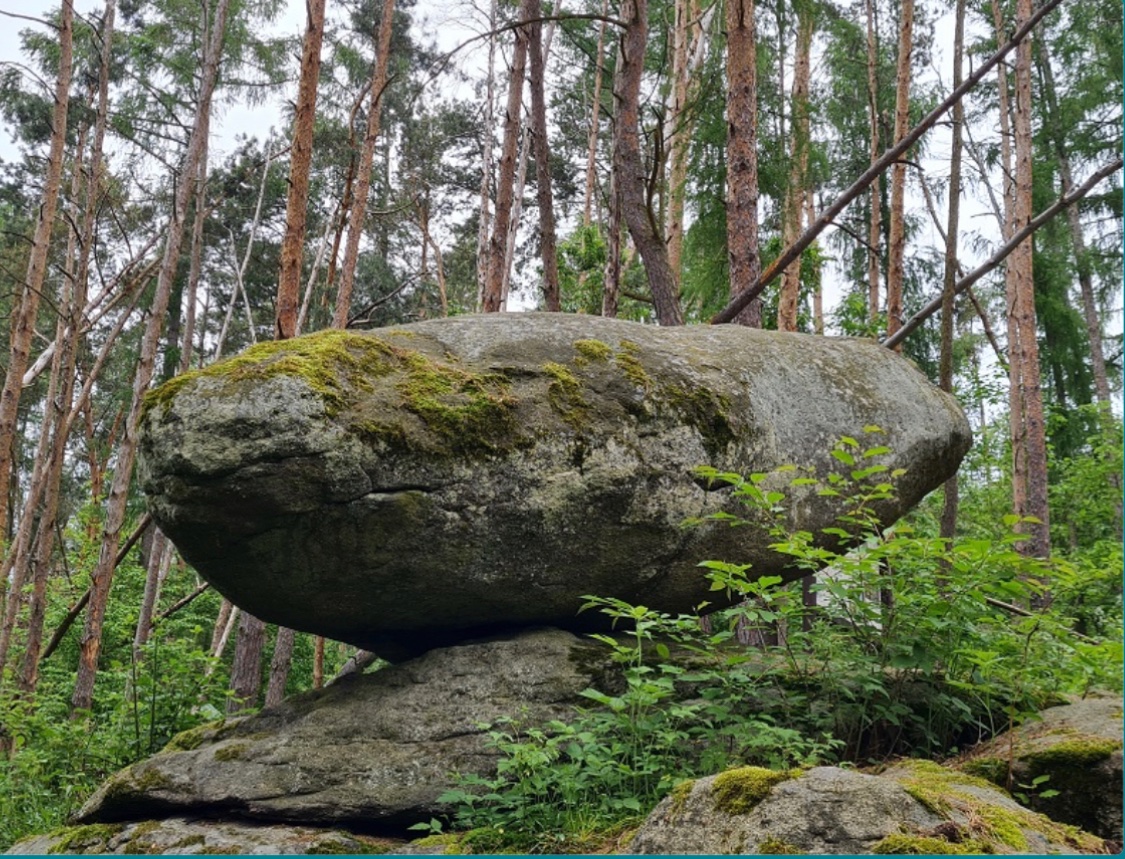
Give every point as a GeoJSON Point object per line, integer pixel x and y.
{"type": "Point", "coordinates": [942, 791]}
{"type": "Point", "coordinates": [78, 839]}
{"type": "Point", "coordinates": [326, 361]}
{"type": "Point", "coordinates": [592, 350]}
{"type": "Point", "coordinates": [901, 844]}
{"type": "Point", "coordinates": [770, 846]}
{"type": "Point", "coordinates": [738, 791]}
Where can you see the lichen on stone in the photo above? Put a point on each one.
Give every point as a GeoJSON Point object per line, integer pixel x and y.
{"type": "Point", "coordinates": [738, 791]}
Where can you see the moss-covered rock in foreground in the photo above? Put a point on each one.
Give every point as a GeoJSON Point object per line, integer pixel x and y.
{"type": "Point", "coordinates": [1076, 749]}
{"type": "Point", "coordinates": [916, 807]}
{"type": "Point", "coordinates": [421, 485]}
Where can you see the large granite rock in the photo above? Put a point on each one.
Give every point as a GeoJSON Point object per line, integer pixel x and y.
{"type": "Point", "coordinates": [917, 807]}
{"type": "Point", "coordinates": [1078, 748]}
{"type": "Point", "coordinates": [424, 484]}
{"type": "Point", "coordinates": [374, 751]}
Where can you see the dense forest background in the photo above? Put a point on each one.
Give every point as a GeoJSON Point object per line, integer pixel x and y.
{"type": "Point", "coordinates": [790, 164]}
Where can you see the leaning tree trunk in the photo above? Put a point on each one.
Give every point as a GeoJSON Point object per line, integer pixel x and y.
{"type": "Point", "coordinates": [102, 577]}
{"type": "Point", "coordinates": [23, 322]}
{"type": "Point", "coordinates": [363, 172]}
{"type": "Point", "coordinates": [629, 169]}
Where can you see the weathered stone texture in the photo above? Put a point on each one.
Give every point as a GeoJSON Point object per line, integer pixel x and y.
{"type": "Point", "coordinates": [421, 485]}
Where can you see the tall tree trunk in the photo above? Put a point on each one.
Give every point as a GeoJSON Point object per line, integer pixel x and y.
{"type": "Point", "coordinates": [611, 286]}
{"type": "Point", "coordinates": [1029, 435]}
{"type": "Point", "coordinates": [23, 322]}
{"type": "Point", "coordinates": [279, 665]}
{"type": "Point", "coordinates": [628, 167]}
{"type": "Point", "coordinates": [363, 172]}
{"type": "Point", "coordinates": [246, 672]}
{"type": "Point", "coordinates": [677, 128]}
{"type": "Point", "coordinates": [101, 579]}
{"type": "Point", "coordinates": [300, 160]}
{"type": "Point", "coordinates": [949, 281]}
{"type": "Point", "coordinates": [489, 121]}
{"type": "Point", "coordinates": [493, 295]}
{"type": "Point", "coordinates": [195, 267]}
{"type": "Point", "coordinates": [875, 230]}
{"type": "Point", "coordinates": [543, 194]}
{"type": "Point", "coordinates": [897, 239]}
{"type": "Point", "coordinates": [797, 188]}
{"type": "Point", "coordinates": [159, 562]}
{"type": "Point", "coordinates": [742, 156]}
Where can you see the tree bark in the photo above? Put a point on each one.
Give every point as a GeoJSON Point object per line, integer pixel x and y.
{"type": "Point", "coordinates": [102, 576]}
{"type": "Point", "coordinates": [363, 172]}
{"type": "Point", "coordinates": [629, 170]}
{"type": "Point", "coordinates": [543, 194]}
{"type": "Point", "coordinates": [949, 279]}
{"type": "Point", "coordinates": [742, 155]}
{"type": "Point", "coordinates": [246, 672]}
{"type": "Point", "coordinates": [300, 160]}
{"type": "Point", "coordinates": [611, 286]}
{"type": "Point", "coordinates": [23, 323]}
{"type": "Point", "coordinates": [484, 225]}
{"type": "Point", "coordinates": [1029, 434]}
{"type": "Point", "coordinates": [279, 665]}
{"type": "Point", "coordinates": [493, 295]}
{"type": "Point", "coordinates": [897, 239]}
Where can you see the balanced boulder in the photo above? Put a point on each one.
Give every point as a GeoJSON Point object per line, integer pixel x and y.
{"type": "Point", "coordinates": [424, 484]}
